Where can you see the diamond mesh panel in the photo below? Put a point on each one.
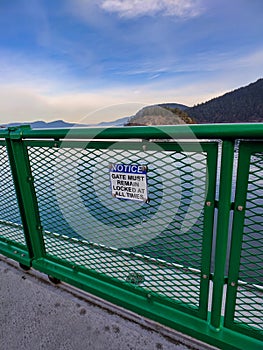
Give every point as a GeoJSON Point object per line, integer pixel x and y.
{"type": "Point", "coordinates": [249, 305]}
{"type": "Point", "coordinates": [155, 245]}
{"type": "Point", "coordinates": [10, 221]}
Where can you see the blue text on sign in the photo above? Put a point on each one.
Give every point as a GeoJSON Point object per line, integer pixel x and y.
{"type": "Point", "coordinates": [129, 168]}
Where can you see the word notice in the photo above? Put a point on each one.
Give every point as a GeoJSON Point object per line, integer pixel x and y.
{"type": "Point", "coordinates": [129, 181]}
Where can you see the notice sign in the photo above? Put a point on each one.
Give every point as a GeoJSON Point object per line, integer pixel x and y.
{"type": "Point", "coordinates": [129, 181]}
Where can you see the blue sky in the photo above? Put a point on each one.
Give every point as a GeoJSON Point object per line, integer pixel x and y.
{"type": "Point", "coordinates": [88, 61]}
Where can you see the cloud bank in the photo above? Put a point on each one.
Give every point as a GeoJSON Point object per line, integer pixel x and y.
{"type": "Point", "coordinates": [136, 8]}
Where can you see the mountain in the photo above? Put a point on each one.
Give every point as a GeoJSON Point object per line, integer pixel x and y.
{"type": "Point", "coordinates": [117, 122]}
{"type": "Point", "coordinates": [65, 125]}
{"type": "Point", "coordinates": [160, 115]}
{"type": "Point", "coordinates": [46, 125]}
{"type": "Point", "coordinates": [243, 105]}
{"type": "Point", "coordinates": [173, 105]}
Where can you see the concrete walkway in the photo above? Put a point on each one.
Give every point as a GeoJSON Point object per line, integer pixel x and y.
{"type": "Point", "coordinates": [34, 315]}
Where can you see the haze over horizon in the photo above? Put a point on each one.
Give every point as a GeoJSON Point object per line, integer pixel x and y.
{"type": "Point", "coordinates": [87, 61]}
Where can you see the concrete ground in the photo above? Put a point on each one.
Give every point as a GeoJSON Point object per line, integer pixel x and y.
{"type": "Point", "coordinates": [35, 314]}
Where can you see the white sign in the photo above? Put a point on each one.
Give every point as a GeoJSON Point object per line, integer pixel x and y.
{"type": "Point", "coordinates": [129, 181]}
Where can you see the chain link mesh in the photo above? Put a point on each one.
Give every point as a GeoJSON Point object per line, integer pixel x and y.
{"type": "Point", "coordinates": [10, 220]}
{"type": "Point", "coordinates": [156, 246]}
{"type": "Point", "coordinates": [249, 303]}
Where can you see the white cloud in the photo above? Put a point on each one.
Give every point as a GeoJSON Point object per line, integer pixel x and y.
{"type": "Point", "coordinates": [17, 68]}
{"type": "Point", "coordinates": [35, 90]}
{"type": "Point", "coordinates": [135, 8]}
{"type": "Point", "coordinates": [24, 104]}
{"type": "Point", "coordinates": [252, 59]}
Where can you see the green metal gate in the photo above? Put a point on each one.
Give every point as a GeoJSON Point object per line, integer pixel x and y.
{"type": "Point", "coordinates": [166, 258]}
{"type": "Point", "coordinates": [86, 228]}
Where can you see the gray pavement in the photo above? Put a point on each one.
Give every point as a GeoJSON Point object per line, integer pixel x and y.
{"type": "Point", "coordinates": [34, 315]}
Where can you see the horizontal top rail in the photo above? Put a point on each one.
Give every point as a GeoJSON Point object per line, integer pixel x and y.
{"type": "Point", "coordinates": [187, 131]}
{"type": "Point", "coordinates": [4, 133]}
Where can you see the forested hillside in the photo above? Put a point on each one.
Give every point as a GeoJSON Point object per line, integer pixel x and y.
{"type": "Point", "coordinates": [244, 105]}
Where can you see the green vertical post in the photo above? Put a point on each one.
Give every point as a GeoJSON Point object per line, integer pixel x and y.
{"type": "Point", "coordinates": [209, 210]}
{"type": "Point", "coordinates": [23, 180]}
{"type": "Point", "coordinates": [224, 208]}
{"type": "Point", "coordinates": [237, 231]}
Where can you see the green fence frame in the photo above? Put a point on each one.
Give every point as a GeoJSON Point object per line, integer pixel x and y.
{"type": "Point", "coordinates": [246, 150]}
{"type": "Point", "coordinates": [12, 248]}
{"type": "Point", "coordinates": [208, 326]}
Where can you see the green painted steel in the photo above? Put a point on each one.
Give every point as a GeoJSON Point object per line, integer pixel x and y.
{"type": "Point", "coordinates": [178, 257]}
{"type": "Point", "coordinates": [23, 180]}
{"type": "Point", "coordinates": [244, 302]}
{"type": "Point", "coordinates": [209, 131]}
{"type": "Point", "coordinates": [12, 240]}
{"type": "Point", "coordinates": [167, 259]}
{"type": "Point", "coordinates": [224, 206]}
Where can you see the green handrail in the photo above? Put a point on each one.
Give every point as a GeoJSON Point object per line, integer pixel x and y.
{"type": "Point", "coordinates": [199, 131]}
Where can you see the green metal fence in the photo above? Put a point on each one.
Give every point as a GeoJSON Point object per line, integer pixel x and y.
{"type": "Point", "coordinates": [169, 257]}
{"type": "Point", "coordinates": [244, 304]}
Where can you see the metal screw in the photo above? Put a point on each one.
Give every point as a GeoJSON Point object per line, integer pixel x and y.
{"type": "Point", "coordinates": [233, 284]}
{"type": "Point", "coordinates": [204, 276]}
{"type": "Point", "coordinates": [23, 254]}
{"type": "Point", "coordinates": [15, 251]}
{"type": "Point", "coordinates": [208, 204]}
{"type": "Point", "coordinates": [55, 144]}
{"type": "Point", "coordinates": [39, 227]}
{"type": "Point", "coordinates": [240, 208]}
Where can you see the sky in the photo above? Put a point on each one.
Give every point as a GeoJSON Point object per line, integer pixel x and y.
{"type": "Point", "coordinates": [87, 61]}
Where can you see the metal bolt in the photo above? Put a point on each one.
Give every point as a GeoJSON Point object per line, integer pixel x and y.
{"type": "Point", "coordinates": [204, 276]}
{"type": "Point", "coordinates": [39, 227]}
{"type": "Point", "coordinates": [144, 147]}
{"type": "Point", "coordinates": [23, 254]}
{"type": "Point", "coordinates": [55, 144]}
{"type": "Point", "coordinates": [233, 284]}
{"type": "Point", "coordinates": [208, 204]}
{"type": "Point", "coordinates": [15, 251]}
{"type": "Point", "coordinates": [240, 208]}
